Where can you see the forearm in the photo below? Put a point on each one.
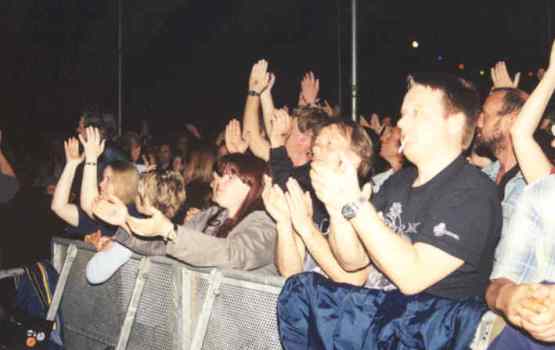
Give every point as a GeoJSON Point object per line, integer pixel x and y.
{"type": "Point", "coordinates": [532, 111]}
{"type": "Point", "coordinates": [251, 129]}
{"type": "Point", "coordinates": [345, 244]}
{"type": "Point", "coordinates": [89, 186]}
{"type": "Point", "coordinates": [533, 162]}
{"type": "Point", "coordinates": [396, 257]}
{"type": "Point", "coordinates": [289, 260]}
{"type": "Point", "coordinates": [497, 294]}
{"type": "Point", "coordinates": [319, 249]}
{"type": "Point", "coordinates": [5, 166]}
{"type": "Point", "coordinates": [60, 200]}
{"type": "Point", "coordinates": [267, 110]}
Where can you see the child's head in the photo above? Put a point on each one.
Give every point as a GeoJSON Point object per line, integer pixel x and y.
{"type": "Point", "coordinates": [165, 191]}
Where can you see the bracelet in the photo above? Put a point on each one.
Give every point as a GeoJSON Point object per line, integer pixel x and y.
{"type": "Point", "coordinates": [171, 234]}
{"type": "Point", "coordinates": [90, 163]}
{"type": "Point", "coordinates": [253, 93]}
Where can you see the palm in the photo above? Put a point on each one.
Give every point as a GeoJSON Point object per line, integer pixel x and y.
{"type": "Point", "coordinates": [71, 147]}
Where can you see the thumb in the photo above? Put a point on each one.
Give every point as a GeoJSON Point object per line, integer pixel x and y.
{"type": "Point", "coordinates": [367, 191]}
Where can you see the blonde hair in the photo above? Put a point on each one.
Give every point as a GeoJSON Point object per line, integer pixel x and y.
{"type": "Point", "coordinates": [164, 190]}
{"type": "Point", "coordinates": [125, 180]}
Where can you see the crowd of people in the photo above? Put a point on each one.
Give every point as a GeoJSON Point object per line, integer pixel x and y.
{"type": "Point", "coordinates": [408, 232]}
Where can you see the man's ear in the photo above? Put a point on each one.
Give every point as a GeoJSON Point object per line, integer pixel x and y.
{"type": "Point", "coordinates": [456, 124]}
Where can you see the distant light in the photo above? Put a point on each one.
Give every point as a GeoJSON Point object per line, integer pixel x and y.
{"type": "Point", "coordinates": [460, 66]}
{"type": "Point", "coordinates": [530, 74]}
{"type": "Point", "coordinates": [440, 58]}
{"type": "Point", "coordinates": [414, 44]}
{"type": "Point", "coordinates": [482, 72]}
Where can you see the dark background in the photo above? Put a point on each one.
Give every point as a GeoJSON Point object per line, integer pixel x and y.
{"type": "Point", "coordinates": [188, 60]}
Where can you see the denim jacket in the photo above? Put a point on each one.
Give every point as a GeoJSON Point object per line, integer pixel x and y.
{"type": "Point", "coordinates": [526, 252]}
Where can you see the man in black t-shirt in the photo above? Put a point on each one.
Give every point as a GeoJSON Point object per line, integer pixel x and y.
{"type": "Point", "coordinates": [431, 230]}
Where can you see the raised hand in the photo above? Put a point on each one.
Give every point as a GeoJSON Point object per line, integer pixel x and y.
{"type": "Point", "coordinates": [376, 124]}
{"type": "Point", "coordinates": [93, 144]}
{"type": "Point", "coordinates": [234, 141]}
{"type": "Point", "coordinates": [193, 130]}
{"type": "Point", "coordinates": [259, 78]}
{"type": "Point", "coordinates": [500, 76]}
{"type": "Point", "coordinates": [71, 147]}
{"type": "Point", "coordinates": [281, 127]}
{"type": "Point", "coordinates": [111, 210]}
{"type": "Point", "coordinates": [275, 202]}
{"type": "Point", "coordinates": [300, 207]}
{"type": "Point", "coordinates": [149, 166]}
{"type": "Point", "coordinates": [310, 87]}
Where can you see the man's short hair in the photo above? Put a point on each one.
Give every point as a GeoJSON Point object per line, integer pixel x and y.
{"type": "Point", "coordinates": [310, 119]}
{"type": "Point", "coordinates": [513, 99]}
{"type": "Point", "coordinates": [459, 96]}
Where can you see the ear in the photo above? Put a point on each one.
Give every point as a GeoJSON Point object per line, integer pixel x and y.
{"type": "Point", "coordinates": [456, 123]}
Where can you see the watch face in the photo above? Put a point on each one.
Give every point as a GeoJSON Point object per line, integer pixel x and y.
{"type": "Point", "coordinates": [348, 211]}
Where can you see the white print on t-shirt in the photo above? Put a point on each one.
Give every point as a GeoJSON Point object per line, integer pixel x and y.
{"type": "Point", "coordinates": [441, 230]}
{"type": "Point", "coordinates": [394, 221]}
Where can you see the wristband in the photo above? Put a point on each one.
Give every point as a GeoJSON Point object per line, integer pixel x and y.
{"type": "Point", "coordinates": [90, 163]}
{"type": "Point", "coordinates": [253, 93]}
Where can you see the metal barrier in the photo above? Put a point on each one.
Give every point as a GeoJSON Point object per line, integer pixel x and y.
{"type": "Point", "coordinates": [159, 303]}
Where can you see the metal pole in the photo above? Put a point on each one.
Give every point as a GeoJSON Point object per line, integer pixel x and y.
{"type": "Point", "coordinates": [339, 60]}
{"type": "Point", "coordinates": [120, 65]}
{"type": "Point", "coordinates": [354, 58]}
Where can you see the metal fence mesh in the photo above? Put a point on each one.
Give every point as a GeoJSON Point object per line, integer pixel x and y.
{"type": "Point", "coordinates": [155, 324]}
{"type": "Point", "coordinates": [243, 318]}
{"type": "Point", "coordinates": [96, 313]}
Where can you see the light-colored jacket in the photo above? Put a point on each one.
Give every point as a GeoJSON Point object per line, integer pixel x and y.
{"type": "Point", "coordinates": [250, 245]}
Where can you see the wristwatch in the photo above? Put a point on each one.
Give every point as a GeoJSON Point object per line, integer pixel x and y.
{"type": "Point", "coordinates": [350, 210]}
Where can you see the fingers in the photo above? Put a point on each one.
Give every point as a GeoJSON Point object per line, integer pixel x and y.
{"type": "Point", "coordinates": [517, 80]}
{"type": "Point", "coordinates": [367, 190]}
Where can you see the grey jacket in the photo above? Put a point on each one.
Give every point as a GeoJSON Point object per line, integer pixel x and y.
{"type": "Point", "coordinates": [249, 245]}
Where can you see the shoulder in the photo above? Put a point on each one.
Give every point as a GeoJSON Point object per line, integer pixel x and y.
{"type": "Point", "coordinates": [258, 217]}
{"type": "Point", "coordinates": [470, 178]}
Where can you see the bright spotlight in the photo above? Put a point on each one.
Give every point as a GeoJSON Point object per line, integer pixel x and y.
{"type": "Point", "coordinates": [414, 44]}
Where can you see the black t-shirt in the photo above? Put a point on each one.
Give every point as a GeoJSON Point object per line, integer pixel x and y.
{"type": "Point", "coordinates": [457, 211]}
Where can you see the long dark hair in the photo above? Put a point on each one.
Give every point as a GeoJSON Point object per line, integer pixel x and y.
{"type": "Point", "coordinates": [250, 170]}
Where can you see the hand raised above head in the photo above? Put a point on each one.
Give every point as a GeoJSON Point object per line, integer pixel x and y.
{"type": "Point", "coordinates": [71, 148]}
{"type": "Point", "coordinates": [259, 78]}
{"type": "Point", "coordinates": [281, 127]}
{"type": "Point", "coordinates": [93, 144]}
{"type": "Point", "coordinates": [500, 76]}
{"type": "Point", "coordinates": [310, 88]}
{"type": "Point", "coordinates": [234, 141]}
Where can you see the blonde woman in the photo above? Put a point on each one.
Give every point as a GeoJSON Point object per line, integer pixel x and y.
{"type": "Point", "coordinates": [165, 191]}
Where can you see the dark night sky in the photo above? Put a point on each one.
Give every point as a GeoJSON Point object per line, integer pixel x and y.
{"type": "Point", "coordinates": [188, 60]}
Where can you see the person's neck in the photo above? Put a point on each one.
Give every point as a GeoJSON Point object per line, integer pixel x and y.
{"type": "Point", "coordinates": [507, 160]}
{"type": "Point", "coordinates": [299, 158]}
{"type": "Point", "coordinates": [395, 161]}
{"type": "Point", "coordinates": [428, 169]}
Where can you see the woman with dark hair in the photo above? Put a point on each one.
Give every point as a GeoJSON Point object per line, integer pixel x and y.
{"type": "Point", "coordinates": [235, 233]}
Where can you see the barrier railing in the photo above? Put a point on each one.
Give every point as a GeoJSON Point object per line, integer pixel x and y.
{"type": "Point", "coordinates": [159, 303]}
